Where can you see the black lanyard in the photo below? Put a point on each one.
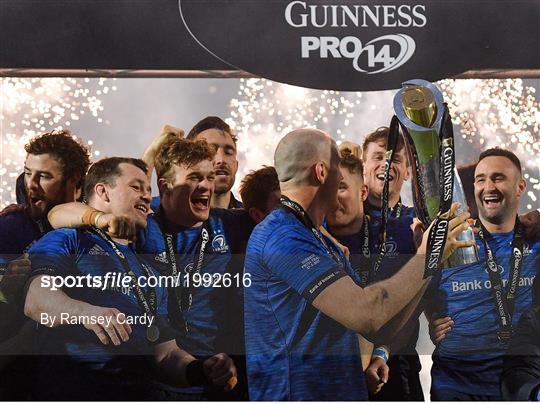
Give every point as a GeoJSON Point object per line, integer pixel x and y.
{"type": "Point", "coordinates": [184, 296]}
{"type": "Point", "coordinates": [149, 305]}
{"type": "Point", "coordinates": [304, 218]}
{"type": "Point", "coordinates": [504, 304]}
{"type": "Point", "coordinates": [366, 255]}
{"type": "Point", "coordinates": [439, 231]}
{"type": "Point", "coordinates": [397, 210]}
{"type": "Point", "coordinates": [390, 150]}
{"type": "Point", "coordinates": [41, 227]}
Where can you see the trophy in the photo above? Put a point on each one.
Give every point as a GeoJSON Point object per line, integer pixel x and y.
{"type": "Point", "coordinates": [428, 134]}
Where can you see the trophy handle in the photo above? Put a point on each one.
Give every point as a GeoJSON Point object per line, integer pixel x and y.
{"type": "Point", "coordinates": [423, 145]}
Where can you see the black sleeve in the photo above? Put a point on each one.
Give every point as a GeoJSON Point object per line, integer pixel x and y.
{"type": "Point", "coordinates": [521, 372]}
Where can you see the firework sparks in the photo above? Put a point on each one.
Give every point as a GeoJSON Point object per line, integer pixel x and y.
{"type": "Point", "coordinates": [265, 111]}
{"type": "Point", "coordinates": [486, 112]}
{"type": "Point", "coordinates": [29, 106]}
{"type": "Point", "coordinates": [502, 113]}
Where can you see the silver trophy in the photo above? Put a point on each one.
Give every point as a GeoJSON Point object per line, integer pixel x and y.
{"type": "Point", "coordinates": [419, 107]}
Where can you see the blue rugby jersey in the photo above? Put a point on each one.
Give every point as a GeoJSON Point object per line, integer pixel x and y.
{"type": "Point", "coordinates": [213, 307]}
{"type": "Point", "coordinates": [400, 244]}
{"type": "Point", "coordinates": [470, 357]}
{"type": "Point", "coordinates": [359, 263]}
{"type": "Point", "coordinates": [18, 231]}
{"type": "Point", "coordinates": [400, 247]}
{"type": "Point", "coordinates": [295, 352]}
{"type": "Point", "coordinates": [79, 252]}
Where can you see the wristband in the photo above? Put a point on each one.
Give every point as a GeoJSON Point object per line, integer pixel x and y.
{"type": "Point", "coordinates": [382, 353]}
{"type": "Point", "coordinates": [89, 215]}
{"type": "Point", "coordinates": [97, 215]}
{"type": "Point", "coordinates": [195, 374]}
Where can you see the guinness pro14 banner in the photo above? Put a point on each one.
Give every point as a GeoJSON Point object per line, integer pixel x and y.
{"type": "Point", "coordinates": [325, 44]}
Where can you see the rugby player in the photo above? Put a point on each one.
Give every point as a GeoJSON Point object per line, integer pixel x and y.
{"type": "Point", "coordinates": [305, 306]}
{"type": "Point", "coordinates": [260, 193]}
{"type": "Point", "coordinates": [468, 359]}
{"type": "Point", "coordinates": [220, 135]}
{"type": "Point", "coordinates": [203, 252]}
{"type": "Point", "coordinates": [110, 355]}
{"type": "Point", "coordinates": [404, 233]}
{"type": "Point", "coordinates": [54, 171]}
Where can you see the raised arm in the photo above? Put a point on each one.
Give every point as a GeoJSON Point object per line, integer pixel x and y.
{"type": "Point", "coordinates": [69, 215]}
{"type": "Point", "coordinates": [77, 214]}
{"type": "Point", "coordinates": [367, 310]}
{"type": "Point", "coordinates": [150, 153]}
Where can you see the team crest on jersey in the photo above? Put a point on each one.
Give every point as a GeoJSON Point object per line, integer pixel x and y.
{"type": "Point", "coordinates": [97, 250]}
{"type": "Point", "coordinates": [391, 249]}
{"type": "Point", "coordinates": [219, 244]}
{"type": "Point", "coordinates": [161, 257]}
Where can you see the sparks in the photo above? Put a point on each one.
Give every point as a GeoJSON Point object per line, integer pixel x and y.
{"type": "Point", "coordinates": [30, 106]}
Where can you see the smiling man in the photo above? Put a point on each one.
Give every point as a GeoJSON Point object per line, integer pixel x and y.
{"type": "Point", "coordinates": [54, 172]}
{"type": "Point", "coordinates": [117, 329]}
{"type": "Point", "coordinates": [305, 304]}
{"type": "Point", "coordinates": [374, 158]}
{"type": "Point", "coordinates": [468, 362]}
{"type": "Point", "coordinates": [189, 240]}
{"type": "Point", "coordinates": [218, 134]}
{"type": "Point", "coordinates": [401, 243]}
